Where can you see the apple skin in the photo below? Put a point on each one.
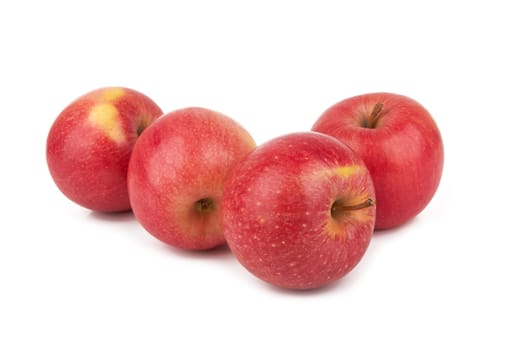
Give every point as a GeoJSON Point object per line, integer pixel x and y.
{"type": "Point", "coordinates": [400, 144]}
{"type": "Point", "coordinates": [90, 142]}
{"type": "Point", "coordinates": [177, 173]}
{"type": "Point", "coordinates": [278, 210]}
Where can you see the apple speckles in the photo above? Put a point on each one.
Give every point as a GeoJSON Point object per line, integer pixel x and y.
{"type": "Point", "coordinates": [278, 244]}
{"type": "Point", "coordinates": [287, 190]}
{"type": "Point", "coordinates": [106, 117]}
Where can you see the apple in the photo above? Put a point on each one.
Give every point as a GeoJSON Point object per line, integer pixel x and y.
{"type": "Point", "coordinates": [90, 142]}
{"type": "Point", "coordinates": [298, 212]}
{"type": "Point", "coordinates": [401, 145]}
{"type": "Point", "coordinates": [177, 172]}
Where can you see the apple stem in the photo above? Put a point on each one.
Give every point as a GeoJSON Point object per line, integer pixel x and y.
{"type": "Point", "coordinates": [367, 203]}
{"type": "Point", "coordinates": [374, 116]}
{"type": "Point", "coordinates": [370, 121]}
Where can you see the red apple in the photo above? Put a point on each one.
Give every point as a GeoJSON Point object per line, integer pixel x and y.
{"type": "Point", "coordinates": [298, 212]}
{"type": "Point", "coordinates": [401, 145]}
{"type": "Point", "coordinates": [177, 173]}
{"type": "Point", "coordinates": [90, 142]}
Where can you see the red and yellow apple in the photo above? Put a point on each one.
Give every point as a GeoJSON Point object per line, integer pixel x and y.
{"type": "Point", "coordinates": [89, 145]}
{"type": "Point", "coordinates": [401, 145]}
{"type": "Point", "coordinates": [177, 172]}
{"type": "Point", "coordinates": [298, 212]}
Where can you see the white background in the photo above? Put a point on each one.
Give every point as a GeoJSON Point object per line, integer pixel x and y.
{"type": "Point", "coordinates": [451, 278]}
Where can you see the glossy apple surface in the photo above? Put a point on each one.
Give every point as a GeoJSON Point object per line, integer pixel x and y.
{"type": "Point", "coordinates": [298, 212]}
{"type": "Point", "coordinates": [177, 173]}
{"type": "Point", "coordinates": [89, 145]}
{"type": "Point", "coordinates": [401, 145]}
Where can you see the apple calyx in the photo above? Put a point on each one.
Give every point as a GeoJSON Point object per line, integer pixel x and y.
{"type": "Point", "coordinates": [204, 205]}
{"type": "Point", "coordinates": [338, 208]}
{"type": "Point", "coordinates": [370, 122]}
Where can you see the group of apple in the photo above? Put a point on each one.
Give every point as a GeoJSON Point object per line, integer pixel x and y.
{"type": "Point", "coordinates": [297, 211]}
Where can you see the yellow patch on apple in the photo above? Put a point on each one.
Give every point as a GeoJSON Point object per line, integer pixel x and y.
{"type": "Point", "coordinates": [105, 116]}
{"type": "Point", "coordinates": [347, 171]}
{"type": "Point", "coordinates": [112, 94]}
{"type": "Point", "coordinates": [335, 230]}
{"type": "Point", "coordinates": [342, 171]}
